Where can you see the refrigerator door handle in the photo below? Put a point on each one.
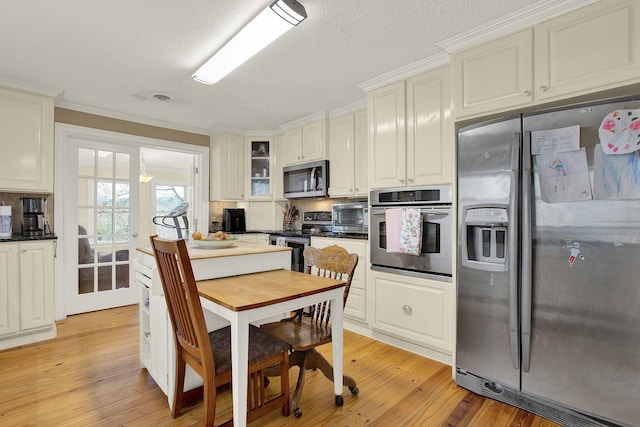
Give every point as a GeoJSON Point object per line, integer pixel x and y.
{"type": "Point", "coordinates": [512, 261]}
{"type": "Point", "coordinates": [527, 206]}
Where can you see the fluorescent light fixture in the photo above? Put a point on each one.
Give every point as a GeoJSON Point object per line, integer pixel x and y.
{"type": "Point", "coordinates": [271, 23]}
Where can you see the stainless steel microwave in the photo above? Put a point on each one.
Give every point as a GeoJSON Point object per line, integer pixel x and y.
{"type": "Point", "coordinates": [350, 217]}
{"type": "Point", "coordinates": [306, 180]}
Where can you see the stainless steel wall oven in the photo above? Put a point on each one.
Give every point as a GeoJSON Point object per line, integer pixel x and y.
{"type": "Point", "coordinates": [434, 203]}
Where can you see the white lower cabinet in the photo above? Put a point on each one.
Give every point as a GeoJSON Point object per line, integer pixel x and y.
{"type": "Point", "coordinates": [253, 238]}
{"type": "Point", "coordinates": [355, 308]}
{"type": "Point", "coordinates": [417, 310]}
{"type": "Point", "coordinates": [157, 347]}
{"type": "Point", "coordinates": [26, 293]}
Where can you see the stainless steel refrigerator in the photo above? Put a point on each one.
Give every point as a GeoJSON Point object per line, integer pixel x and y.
{"type": "Point", "coordinates": [548, 265]}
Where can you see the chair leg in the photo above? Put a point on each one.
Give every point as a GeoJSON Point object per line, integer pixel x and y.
{"type": "Point", "coordinates": [179, 384]}
{"type": "Point", "coordinates": [317, 361]}
{"type": "Point", "coordinates": [284, 384]}
{"type": "Point", "coordinates": [209, 400]}
{"type": "Point", "coordinates": [300, 384]}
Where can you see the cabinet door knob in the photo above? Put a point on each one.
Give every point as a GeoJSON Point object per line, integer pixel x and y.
{"type": "Point", "coordinates": [527, 93]}
{"type": "Point", "coordinates": [543, 88]}
{"type": "Point", "coordinates": [401, 180]}
{"type": "Point", "coordinates": [357, 189]}
{"type": "Point", "coordinates": [407, 309]}
{"type": "Point", "coordinates": [134, 234]}
{"type": "Point", "coordinates": [410, 180]}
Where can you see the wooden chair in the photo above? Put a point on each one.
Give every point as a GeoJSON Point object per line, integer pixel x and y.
{"type": "Point", "coordinates": [305, 331]}
{"type": "Point", "coordinates": [209, 353]}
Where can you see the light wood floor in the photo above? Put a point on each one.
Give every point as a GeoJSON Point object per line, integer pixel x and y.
{"type": "Point", "coordinates": [91, 376]}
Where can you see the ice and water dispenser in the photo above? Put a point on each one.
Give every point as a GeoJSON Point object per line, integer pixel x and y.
{"type": "Point", "coordinates": [485, 238]}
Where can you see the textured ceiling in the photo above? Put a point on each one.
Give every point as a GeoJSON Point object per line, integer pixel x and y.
{"type": "Point", "coordinates": [109, 57]}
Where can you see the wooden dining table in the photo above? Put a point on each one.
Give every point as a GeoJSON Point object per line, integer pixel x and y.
{"type": "Point", "coordinates": [249, 298]}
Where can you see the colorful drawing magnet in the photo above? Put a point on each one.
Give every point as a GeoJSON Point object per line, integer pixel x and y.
{"type": "Point", "coordinates": [620, 132]}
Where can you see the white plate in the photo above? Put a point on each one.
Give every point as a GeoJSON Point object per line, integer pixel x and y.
{"type": "Point", "coordinates": [215, 244]}
{"type": "Point", "coordinates": [620, 132]}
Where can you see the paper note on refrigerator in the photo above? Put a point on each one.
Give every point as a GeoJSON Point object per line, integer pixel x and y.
{"type": "Point", "coordinates": [564, 177]}
{"type": "Point", "coordinates": [555, 140]}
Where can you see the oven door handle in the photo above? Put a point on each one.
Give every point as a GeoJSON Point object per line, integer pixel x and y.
{"type": "Point", "coordinates": [380, 211]}
{"type": "Point", "coordinates": [439, 213]}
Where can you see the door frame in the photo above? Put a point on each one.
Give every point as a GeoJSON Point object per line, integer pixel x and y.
{"type": "Point", "coordinates": [64, 131]}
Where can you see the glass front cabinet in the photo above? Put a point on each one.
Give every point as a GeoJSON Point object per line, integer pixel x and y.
{"type": "Point", "coordinates": [261, 181]}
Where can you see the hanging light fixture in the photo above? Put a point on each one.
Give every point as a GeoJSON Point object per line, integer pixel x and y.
{"type": "Point", "coordinates": [271, 23]}
{"type": "Point", "coordinates": [144, 176]}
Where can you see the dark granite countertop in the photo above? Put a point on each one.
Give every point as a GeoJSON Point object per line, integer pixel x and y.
{"type": "Point", "coordinates": [298, 233]}
{"type": "Point", "coordinates": [19, 237]}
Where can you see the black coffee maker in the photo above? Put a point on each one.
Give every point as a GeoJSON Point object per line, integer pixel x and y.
{"type": "Point", "coordinates": [233, 221]}
{"type": "Point", "coordinates": [34, 216]}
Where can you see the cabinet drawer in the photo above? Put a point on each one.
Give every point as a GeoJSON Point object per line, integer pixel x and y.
{"type": "Point", "coordinates": [417, 312]}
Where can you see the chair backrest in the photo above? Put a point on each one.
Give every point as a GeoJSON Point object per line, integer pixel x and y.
{"type": "Point", "coordinates": [334, 262]}
{"type": "Point", "coordinates": [183, 301]}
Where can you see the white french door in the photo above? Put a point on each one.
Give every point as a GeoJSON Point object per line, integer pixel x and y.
{"type": "Point", "coordinates": [100, 211]}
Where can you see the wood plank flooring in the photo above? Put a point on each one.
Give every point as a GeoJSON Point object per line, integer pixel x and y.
{"type": "Point", "coordinates": [91, 376]}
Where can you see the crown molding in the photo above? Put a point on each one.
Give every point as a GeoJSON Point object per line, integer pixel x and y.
{"type": "Point", "coordinates": [351, 108]}
{"type": "Point", "coordinates": [318, 115]}
{"type": "Point", "coordinates": [10, 83]}
{"type": "Point", "coordinates": [129, 117]}
{"type": "Point", "coordinates": [406, 71]}
{"type": "Point", "coordinates": [216, 129]}
{"type": "Point", "coordinates": [525, 17]}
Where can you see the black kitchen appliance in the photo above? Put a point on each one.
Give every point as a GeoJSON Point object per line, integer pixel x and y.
{"type": "Point", "coordinates": [233, 221]}
{"type": "Point", "coordinates": [312, 224]}
{"type": "Point", "coordinates": [34, 216]}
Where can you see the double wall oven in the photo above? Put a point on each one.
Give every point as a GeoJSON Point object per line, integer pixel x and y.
{"type": "Point", "coordinates": [435, 257]}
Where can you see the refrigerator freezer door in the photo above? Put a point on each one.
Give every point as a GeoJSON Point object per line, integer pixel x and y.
{"type": "Point", "coordinates": [486, 210]}
{"type": "Point", "coordinates": [585, 339]}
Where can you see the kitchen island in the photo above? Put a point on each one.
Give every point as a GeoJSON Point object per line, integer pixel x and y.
{"type": "Point", "coordinates": [157, 349]}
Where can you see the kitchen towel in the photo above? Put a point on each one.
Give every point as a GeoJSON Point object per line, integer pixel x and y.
{"type": "Point", "coordinates": [281, 241]}
{"type": "Point", "coordinates": [393, 226]}
{"type": "Point", "coordinates": [411, 231]}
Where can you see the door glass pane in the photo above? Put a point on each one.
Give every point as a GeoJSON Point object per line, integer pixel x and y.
{"type": "Point", "coordinates": [122, 165]}
{"type": "Point", "coordinates": [105, 280]}
{"type": "Point", "coordinates": [105, 164]}
{"type": "Point", "coordinates": [86, 162]}
{"type": "Point", "coordinates": [85, 280]}
{"type": "Point", "coordinates": [122, 225]}
{"type": "Point", "coordinates": [105, 225]}
{"type": "Point", "coordinates": [86, 221]}
{"type": "Point", "coordinates": [86, 191]}
{"type": "Point", "coordinates": [105, 193]}
{"type": "Point", "coordinates": [122, 194]}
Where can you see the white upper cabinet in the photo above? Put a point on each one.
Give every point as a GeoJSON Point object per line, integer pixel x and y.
{"type": "Point", "coordinates": [305, 144]}
{"type": "Point", "coordinates": [410, 132]}
{"type": "Point", "coordinates": [430, 137]}
{"type": "Point", "coordinates": [387, 136]}
{"type": "Point", "coordinates": [348, 155]}
{"type": "Point", "coordinates": [314, 144]}
{"type": "Point", "coordinates": [588, 50]}
{"type": "Point", "coordinates": [593, 48]}
{"type": "Point", "coordinates": [227, 167]}
{"type": "Point", "coordinates": [291, 147]}
{"type": "Point", "coordinates": [26, 137]}
{"type": "Point", "coordinates": [495, 76]}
